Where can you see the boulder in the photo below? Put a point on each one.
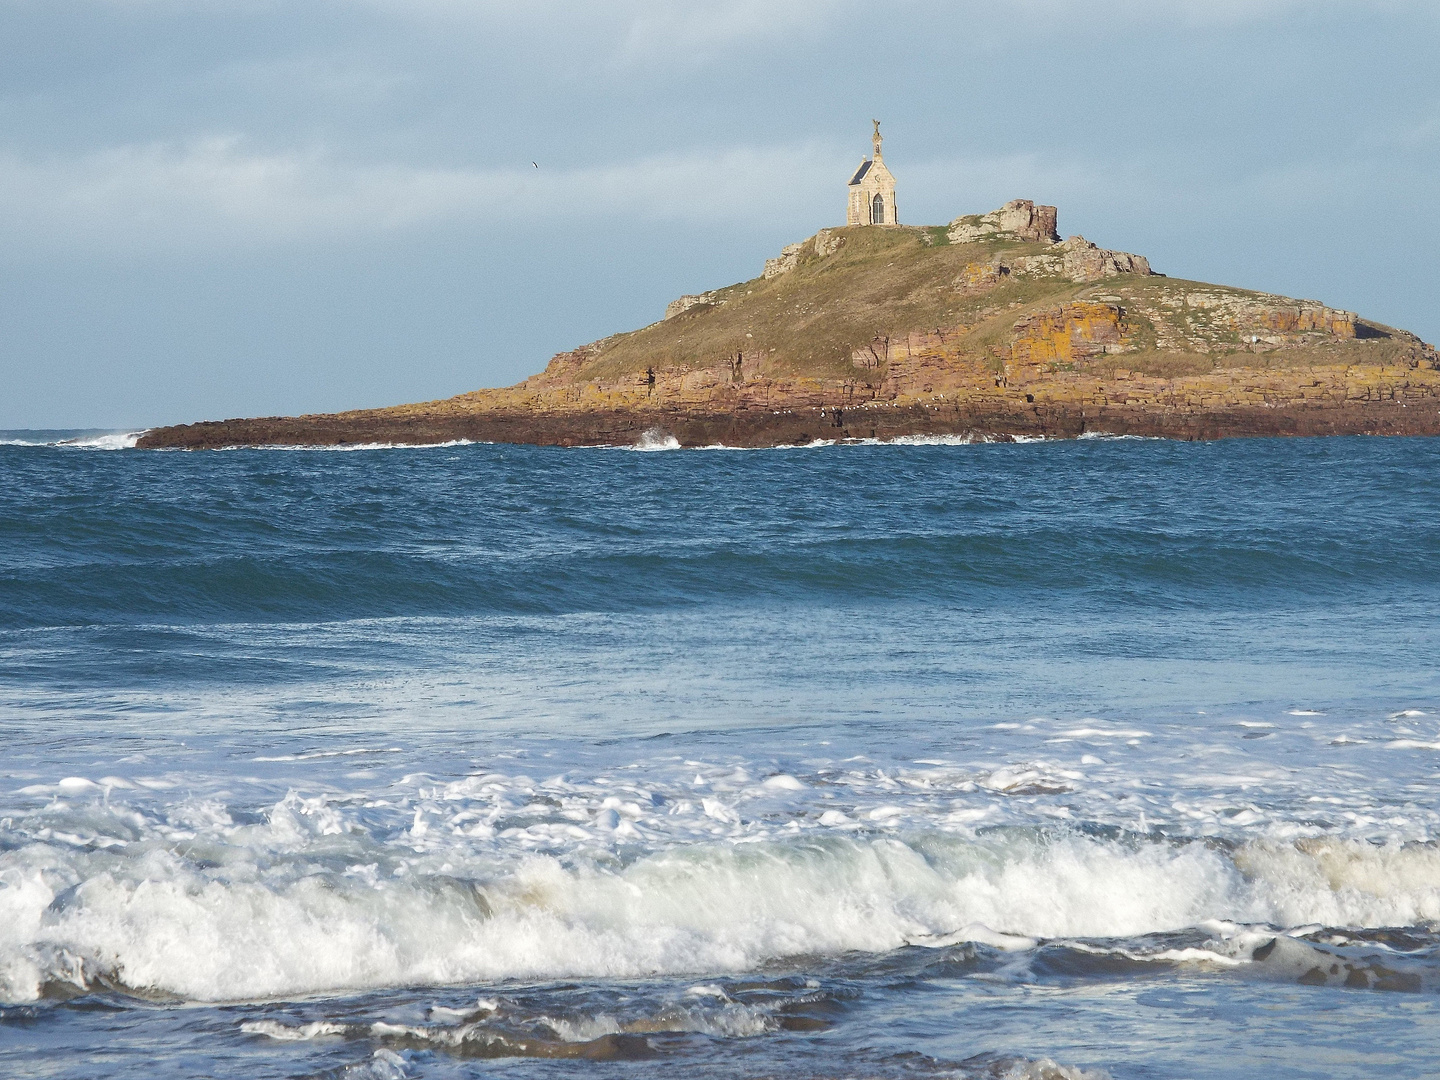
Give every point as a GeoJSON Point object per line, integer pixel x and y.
{"type": "Point", "coordinates": [1019, 218]}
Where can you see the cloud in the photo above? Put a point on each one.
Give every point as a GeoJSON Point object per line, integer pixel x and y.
{"type": "Point", "coordinates": [657, 28]}
{"type": "Point", "coordinates": [1191, 12]}
{"type": "Point", "coordinates": [661, 26]}
{"type": "Point", "coordinates": [672, 19]}
{"type": "Point", "coordinates": [217, 191]}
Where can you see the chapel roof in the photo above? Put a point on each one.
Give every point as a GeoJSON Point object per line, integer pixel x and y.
{"type": "Point", "coordinates": [860, 172]}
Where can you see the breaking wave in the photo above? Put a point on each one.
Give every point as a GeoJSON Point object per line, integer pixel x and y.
{"type": "Point", "coordinates": [75, 440]}
{"type": "Point", "coordinates": [312, 898]}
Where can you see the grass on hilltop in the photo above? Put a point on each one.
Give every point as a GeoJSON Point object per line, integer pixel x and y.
{"type": "Point", "coordinates": [890, 280]}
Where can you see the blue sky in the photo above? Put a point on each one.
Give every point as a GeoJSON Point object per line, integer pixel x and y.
{"type": "Point", "coordinates": [240, 207]}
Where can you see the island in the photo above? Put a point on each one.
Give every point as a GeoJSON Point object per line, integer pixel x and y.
{"type": "Point", "coordinates": [988, 328]}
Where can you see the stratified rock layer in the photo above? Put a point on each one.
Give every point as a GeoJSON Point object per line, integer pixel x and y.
{"type": "Point", "coordinates": [988, 328]}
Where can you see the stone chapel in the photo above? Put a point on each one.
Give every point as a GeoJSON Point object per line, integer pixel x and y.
{"type": "Point", "coordinates": [872, 191]}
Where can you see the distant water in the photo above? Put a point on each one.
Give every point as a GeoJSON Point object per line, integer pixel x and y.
{"type": "Point", "coordinates": [1042, 761]}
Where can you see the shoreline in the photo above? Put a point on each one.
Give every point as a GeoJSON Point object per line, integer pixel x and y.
{"type": "Point", "coordinates": [747, 428]}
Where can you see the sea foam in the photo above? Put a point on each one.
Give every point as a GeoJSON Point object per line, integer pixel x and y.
{"type": "Point", "coordinates": [313, 901]}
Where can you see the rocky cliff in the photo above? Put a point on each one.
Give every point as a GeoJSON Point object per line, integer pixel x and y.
{"type": "Point", "coordinates": [989, 327]}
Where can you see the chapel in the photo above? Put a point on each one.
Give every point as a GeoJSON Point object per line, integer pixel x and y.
{"type": "Point", "coordinates": [872, 191]}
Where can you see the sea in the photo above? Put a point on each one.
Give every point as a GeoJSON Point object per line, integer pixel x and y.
{"type": "Point", "coordinates": [1050, 760]}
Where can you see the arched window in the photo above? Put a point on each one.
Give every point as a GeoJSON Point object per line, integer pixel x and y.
{"type": "Point", "coordinates": [877, 210]}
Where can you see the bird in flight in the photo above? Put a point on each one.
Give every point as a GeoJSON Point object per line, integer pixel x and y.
{"type": "Point", "coordinates": [535, 163]}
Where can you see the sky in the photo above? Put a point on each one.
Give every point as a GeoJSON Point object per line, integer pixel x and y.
{"type": "Point", "coordinates": [217, 208]}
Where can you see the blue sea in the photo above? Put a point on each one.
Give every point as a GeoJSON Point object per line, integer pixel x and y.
{"type": "Point", "coordinates": [1036, 761]}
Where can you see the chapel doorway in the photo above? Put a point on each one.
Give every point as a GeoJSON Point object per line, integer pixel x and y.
{"type": "Point", "coordinates": [877, 210]}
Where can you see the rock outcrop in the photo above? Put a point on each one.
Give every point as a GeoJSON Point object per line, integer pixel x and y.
{"type": "Point", "coordinates": [1080, 260]}
{"type": "Point", "coordinates": [685, 303]}
{"type": "Point", "coordinates": [825, 242]}
{"type": "Point", "coordinates": [1020, 219]}
{"type": "Point", "coordinates": [1078, 331]}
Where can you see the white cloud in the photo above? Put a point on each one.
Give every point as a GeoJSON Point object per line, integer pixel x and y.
{"type": "Point", "coordinates": [217, 191]}
{"type": "Point", "coordinates": [1194, 12]}
{"type": "Point", "coordinates": [630, 30]}
{"type": "Point", "coordinates": [663, 25]}
{"type": "Point", "coordinates": [659, 27]}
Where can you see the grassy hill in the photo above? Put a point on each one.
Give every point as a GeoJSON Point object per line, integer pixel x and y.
{"type": "Point", "coordinates": [986, 327]}
{"type": "Point", "coordinates": [822, 318]}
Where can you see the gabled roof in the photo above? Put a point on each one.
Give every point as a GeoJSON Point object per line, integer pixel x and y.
{"type": "Point", "coordinates": [860, 173]}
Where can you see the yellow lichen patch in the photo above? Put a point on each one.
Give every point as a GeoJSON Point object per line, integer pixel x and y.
{"type": "Point", "coordinates": [1066, 334]}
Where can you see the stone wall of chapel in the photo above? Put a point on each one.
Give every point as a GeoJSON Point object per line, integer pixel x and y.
{"type": "Point", "coordinates": [877, 181]}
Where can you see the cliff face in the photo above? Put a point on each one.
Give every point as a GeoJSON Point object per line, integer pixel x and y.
{"type": "Point", "coordinates": [989, 327]}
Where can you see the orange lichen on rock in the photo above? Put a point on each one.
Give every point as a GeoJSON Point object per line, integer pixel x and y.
{"type": "Point", "coordinates": [1066, 334]}
{"type": "Point", "coordinates": [1300, 319]}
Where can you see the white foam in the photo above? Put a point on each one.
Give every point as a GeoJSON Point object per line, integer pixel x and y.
{"type": "Point", "coordinates": [107, 440]}
{"type": "Point", "coordinates": [267, 921]}
{"type": "Point", "coordinates": [1105, 733]}
{"type": "Point", "coordinates": [383, 1065]}
{"type": "Point", "coordinates": [678, 866]}
{"type": "Point", "coordinates": [979, 934]}
{"type": "Point", "coordinates": [813, 444]}
{"type": "Point", "coordinates": [709, 990]}
{"type": "Point", "coordinates": [784, 782]}
{"type": "Point", "coordinates": [1027, 780]}
{"type": "Point", "coordinates": [124, 440]}
{"type": "Point", "coordinates": [298, 1033]}
{"type": "Point", "coordinates": [317, 755]}
{"type": "Point", "coordinates": [347, 447]}
{"type": "Point", "coordinates": [999, 1067]}
{"type": "Point", "coordinates": [968, 439]}
{"type": "Point", "coordinates": [727, 1019]}
{"type": "Point", "coordinates": [655, 439]}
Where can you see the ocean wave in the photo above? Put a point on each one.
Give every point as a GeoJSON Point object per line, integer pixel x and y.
{"type": "Point", "coordinates": [239, 537]}
{"type": "Point", "coordinates": [656, 439]}
{"type": "Point", "coordinates": [79, 440]}
{"type": "Point", "coordinates": [322, 896]}
{"type": "Point", "coordinates": [249, 576]}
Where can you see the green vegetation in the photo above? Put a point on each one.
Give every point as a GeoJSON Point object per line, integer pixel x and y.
{"type": "Point", "coordinates": [821, 318]}
{"type": "Point", "coordinates": [882, 282]}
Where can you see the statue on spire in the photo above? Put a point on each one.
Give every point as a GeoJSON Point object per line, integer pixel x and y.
{"type": "Point", "coordinates": [878, 137]}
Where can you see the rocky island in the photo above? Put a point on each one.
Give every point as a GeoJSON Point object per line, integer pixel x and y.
{"type": "Point", "coordinates": [990, 327]}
